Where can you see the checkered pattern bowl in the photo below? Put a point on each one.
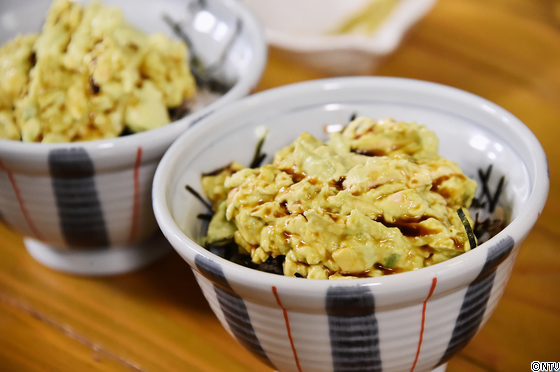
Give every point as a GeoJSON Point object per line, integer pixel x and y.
{"type": "Point", "coordinates": [85, 207]}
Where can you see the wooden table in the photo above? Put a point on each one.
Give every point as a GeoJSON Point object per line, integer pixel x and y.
{"type": "Point", "coordinates": [156, 319]}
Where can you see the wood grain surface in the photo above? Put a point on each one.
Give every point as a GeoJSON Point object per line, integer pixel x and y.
{"type": "Point", "coordinates": [156, 319]}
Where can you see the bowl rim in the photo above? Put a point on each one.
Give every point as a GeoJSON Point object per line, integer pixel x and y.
{"type": "Point", "coordinates": [383, 41]}
{"type": "Point", "coordinates": [459, 269]}
{"type": "Point", "coordinates": [165, 135]}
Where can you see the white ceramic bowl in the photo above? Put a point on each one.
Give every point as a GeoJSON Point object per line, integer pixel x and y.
{"type": "Point", "coordinates": [409, 321]}
{"type": "Point", "coordinates": [303, 31]}
{"type": "Point", "coordinates": [86, 208]}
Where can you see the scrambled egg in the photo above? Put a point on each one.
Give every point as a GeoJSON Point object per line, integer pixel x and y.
{"type": "Point", "coordinates": [89, 75]}
{"type": "Point", "coordinates": [375, 199]}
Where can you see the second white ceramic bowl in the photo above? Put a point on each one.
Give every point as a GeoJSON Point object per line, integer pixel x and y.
{"type": "Point", "coordinates": [85, 208]}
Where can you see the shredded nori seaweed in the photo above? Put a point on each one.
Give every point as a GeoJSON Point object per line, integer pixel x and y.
{"type": "Point", "coordinates": [488, 201]}
{"type": "Point", "coordinates": [273, 265]}
{"type": "Point", "coordinates": [259, 156]}
{"type": "Point", "coordinates": [176, 113]}
{"type": "Point", "coordinates": [468, 228]}
{"type": "Point", "coordinates": [230, 252]}
{"type": "Point", "coordinates": [492, 199]}
{"type": "Point", "coordinates": [228, 249]}
{"type": "Point", "coordinates": [197, 195]}
{"type": "Point", "coordinates": [204, 75]}
{"type": "Point", "coordinates": [205, 216]}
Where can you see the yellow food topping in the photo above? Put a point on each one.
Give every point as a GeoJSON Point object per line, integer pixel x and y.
{"type": "Point", "coordinates": [16, 59]}
{"type": "Point", "coordinates": [89, 75]}
{"type": "Point", "coordinates": [375, 199]}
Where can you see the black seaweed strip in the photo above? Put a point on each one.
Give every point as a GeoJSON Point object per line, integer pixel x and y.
{"type": "Point", "coordinates": [485, 190]}
{"type": "Point", "coordinates": [178, 30]}
{"type": "Point", "coordinates": [217, 171]}
{"type": "Point", "coordinates": [218, 64]}
{"type": "Point", "coordinates": [481, 227]}
{"type": "Point", "coordinates": [197, 195]}
{"type": "Point", "coordinates": [205, 216]}
{"type": "Point", "coordinates": [468, 229]}
{"type": "Point", "coordinates": [202, 74]}
{"type": "Point", "coordinates": [497, 194]}
{"type": "Point", "coordinates": [261, 158]}
{"type": "Point", "coordinates": [258, 157]}
{"type": "Point", "coordinates": [477, 225]}
{"type": "Point", "coordinates": [492, 199]}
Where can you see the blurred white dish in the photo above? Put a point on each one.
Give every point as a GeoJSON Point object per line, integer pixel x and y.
{"type": "Point", "coordinates": [304, 31]}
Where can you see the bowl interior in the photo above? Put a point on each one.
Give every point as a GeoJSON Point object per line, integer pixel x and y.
{"type": "Point", "coordinates": [462, 139]}
{"type": "Point", "coordinates": [223, 35]}
{"type": "Point", "coordinates": [472, 131]}
{"type": "Point", "coordinates": [209, 25]}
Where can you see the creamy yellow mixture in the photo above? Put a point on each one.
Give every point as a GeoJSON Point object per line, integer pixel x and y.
{"type": "Point", "coordinates": [89, 75]}
{"type": "Point", "coordinates": [375, 199]}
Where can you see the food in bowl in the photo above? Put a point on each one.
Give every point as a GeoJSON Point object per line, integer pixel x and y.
{"type": "Point", "coordinates": [375, 199]}
{"type": "Point", "coordinates": [90, 75]}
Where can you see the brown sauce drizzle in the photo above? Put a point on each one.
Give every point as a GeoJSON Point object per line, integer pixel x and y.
{"type": "Point", "coordinates": [278, 214]}
{"type": "Point", "coordinates": [438, 181]}
{"type": "Point", "coordinates": [410, 228]}
{"type": "Point", "coordinates": [313, 181]}
{"type": "Point", "coordinates": [338, 184]}
{"type": "Point", "coordinates": [33, 59]}
{"type": "Point", "coordinates": [284, 206]}
{"type": "Point", "coordinates": [385, 270]}
{"type": "Point", "coordinates": [458, 245]}
{"type": "Point", "coordinates": [94, 86]}
{"type": "Point", "coordinates": [369, 152]}
{"type": "Point", "coordinates": [334, 216]}
{"type": "Point", "coordinates": [403, 148]}
{"type": "Point", "coordinates": [363, 274]}
{"type": "Point", "coordinates": [427, 248]}
{"type": "Point", "coordinates": [296, 177]}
